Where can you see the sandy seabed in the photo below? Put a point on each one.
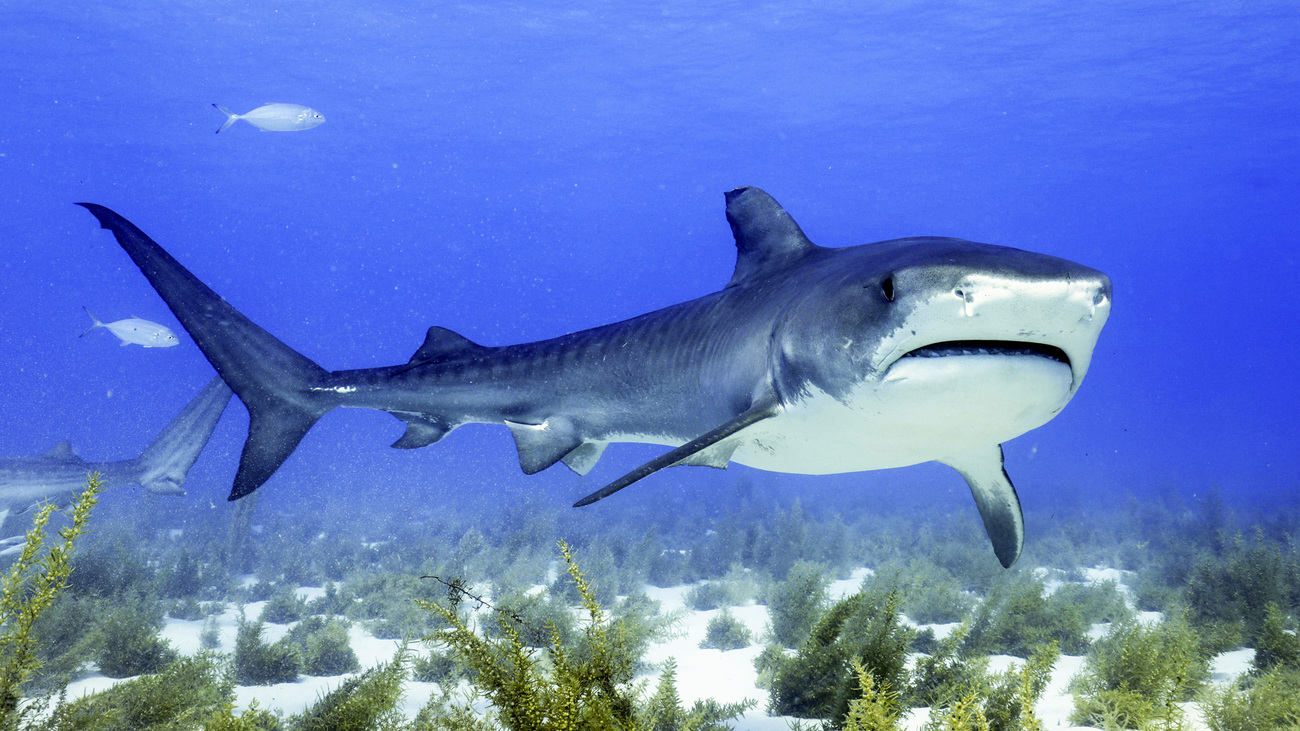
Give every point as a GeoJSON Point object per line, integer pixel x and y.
{"type": "Point", "coordinates": [728, 677]}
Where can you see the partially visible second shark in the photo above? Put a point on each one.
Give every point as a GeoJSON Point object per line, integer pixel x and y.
{"type": "Point", "coordinates": [161, 468]}
{"type": "Point", "coordinates": [811, 360]}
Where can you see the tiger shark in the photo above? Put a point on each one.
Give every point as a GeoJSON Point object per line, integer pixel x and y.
{"type": "Point", "coordinates": [161, 468]}
{"type": "Point", "coordinates": [810, 360]}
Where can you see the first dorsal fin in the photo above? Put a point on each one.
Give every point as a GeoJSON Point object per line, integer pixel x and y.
{"type": "Point", "coordinates": [767, 238]}
{"type": "Point", "coordinates": [440, 344]}
{"type": "Point", "coordinates": [62, 450]}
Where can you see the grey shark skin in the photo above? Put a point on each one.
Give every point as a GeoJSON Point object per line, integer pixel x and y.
{"type": "Point", "coordinates": [811, 360]}
{"type": "Point", "coordinates": [161, 468]}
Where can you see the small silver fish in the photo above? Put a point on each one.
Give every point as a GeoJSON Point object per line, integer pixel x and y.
{"type": "Point", "coordinates": [275, 118]}
{"type": "Point", "coordinates": [135, 331]}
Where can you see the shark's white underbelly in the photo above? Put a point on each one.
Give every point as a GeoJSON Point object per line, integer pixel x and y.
{"type": "Point", "coordinates": [924, 409]}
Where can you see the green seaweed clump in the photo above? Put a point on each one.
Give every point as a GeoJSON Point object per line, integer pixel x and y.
{"type": "Point", "coordinates": [33, 584]}
{"type": "Point", "coordinates": [130, 644]}
{"type": "Point", "coordinates": [929, 593]}
{"type": "Point", "coordinates": [324, 646]}
{"type": "Point", "coordinates": [1267, 697]}
{"type": "Point", "coordinates": [541, 615]}
{"type": "Point", "coordinates": [876, 708]}
{"type": "Point", "coordinates": [706, 596]}
{"type": "Point", "coordinates": [1136, 675]}
{"type": "Point", "coordinates": [725, 632]}
{"type": "Point", "coordinates": [184, 694]}
{"type": "Point", "coordinates": [795, 604]}
{"type": "Point", "coordinates": [556, 687]}
{"type": "Point", "coordinates": [595, 694]}
{"type": "Point", "coordinates": [437, 667]}
{"type": "Point", "coordinates": [1001, 702]}
{"type": "Point", "coordinates": [818, 681]}
{"type": "Point", "coordinates": [367, 702]}
{"type": "Point", "coordinates": [1018, 617]}
{"type": "Point", "coordinates": [1233, 590]}
{"type": "Point", "coordinates": [1276, 644]}
{"type": "Point", "coordinates": [259, 663]}
{"type": "Point", "coordinates": [944, 676]}
{"type": "Point", "coordinates": [283, 606]}
{"type": "Point", "coordinates": [1268, 700]}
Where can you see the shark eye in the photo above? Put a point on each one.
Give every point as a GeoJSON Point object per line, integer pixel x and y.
{"type": "Point", "coordinates": [887, 287]}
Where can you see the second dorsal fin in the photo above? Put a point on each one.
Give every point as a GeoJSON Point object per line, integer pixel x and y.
{"type": "Point", "coordinates": [60, 451]}
{"type": "Point", "coordinates": [441, 343]}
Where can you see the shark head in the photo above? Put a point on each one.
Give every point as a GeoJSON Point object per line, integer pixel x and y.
{"type": "Point", "coordinates": [935, 346]}
{"type": "Point", "coordinates": [943, 300]}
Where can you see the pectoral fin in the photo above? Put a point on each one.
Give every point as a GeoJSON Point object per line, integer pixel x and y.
{"type": "Point", "coordinates": [760, 411]}
{"type": "Point", "coordinates": [996, 498]}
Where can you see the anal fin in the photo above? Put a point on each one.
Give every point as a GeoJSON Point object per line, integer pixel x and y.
{"type": "Point", "coordinates": [421, 430]}
{"type": "Point", "coordinates": [764, 409]}
{"type": "Point", "coordinates": [996, 498]}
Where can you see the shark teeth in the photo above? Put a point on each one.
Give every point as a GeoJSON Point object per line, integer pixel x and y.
{"type": "Point", "coordinates": [954, 348]}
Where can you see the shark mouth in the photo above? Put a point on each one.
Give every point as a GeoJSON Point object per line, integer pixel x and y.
{"type": "Point", "coordinates": [957, 348]}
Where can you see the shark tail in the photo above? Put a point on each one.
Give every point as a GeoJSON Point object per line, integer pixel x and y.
{"type": "Point", "coordinates": [168, 458]}
{"type": "Point", "coordinates": [231, 118]}
{"type": "Point", "coordinates": [97, 324]}
{"type": "Point", "coordinates": [280, 387]}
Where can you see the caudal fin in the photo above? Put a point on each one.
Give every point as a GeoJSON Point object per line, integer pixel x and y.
{"type": "Point", "coordinates": [279, 386]}
{"type": "Point", "coordinates": [95, 320]}
{"type": "Point", "coordinates": [167, 460]}
{"type": "Point", "coordinates": [231, 118]}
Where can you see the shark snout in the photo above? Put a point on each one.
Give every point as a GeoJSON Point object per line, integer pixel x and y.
{"type": "Point", "coordinates": [1101, 296]}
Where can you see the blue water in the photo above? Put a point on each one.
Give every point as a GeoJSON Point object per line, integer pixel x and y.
{"type": "Point", "coordinates": [515, 172]}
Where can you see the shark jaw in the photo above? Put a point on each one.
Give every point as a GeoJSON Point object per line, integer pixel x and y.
{"type": "Point", "coordinates": [924, 409]}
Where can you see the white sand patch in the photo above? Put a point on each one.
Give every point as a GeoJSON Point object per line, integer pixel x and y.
{"type": "Point", "coordinates": [1226, 666]}
{"type": "Point", "coordinates": [290, 698]}
{"type": "Point", "coordinates": [309, 593]}
{"type": "Point", "coordinates": [727, 677]}
{"type": "Point", "coordinates": [670, 598]}
{"type": "Point", "coordinates": [1150, 619]}
{"type": "Point", "coordinates": [183, 635]}
{"type": "Point", "coordinates": [848, 587]}
{"type": "Point", "coordinates": [253, 610]}
{"type": "Point", "coordinates": [941, 631]}
{"type": "Point", "coordinates": [372, 651]}
{"type": "Point", "coordinates": [1100, 575]}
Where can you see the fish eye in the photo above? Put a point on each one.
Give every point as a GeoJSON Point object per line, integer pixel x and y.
{"type": "Point", "coordinates": [887, 287]}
